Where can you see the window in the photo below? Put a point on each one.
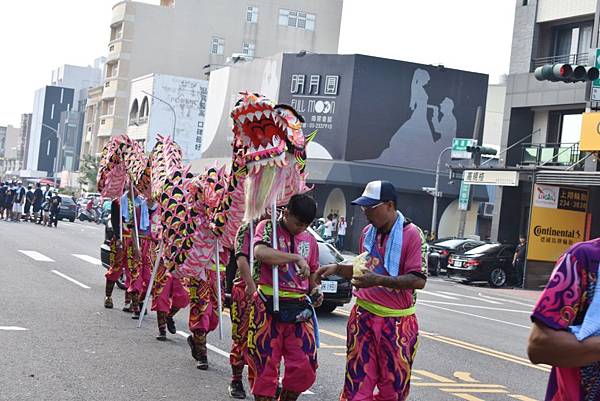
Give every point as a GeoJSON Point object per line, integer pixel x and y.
{"type": "Point", "coordinates": [62, 95]}
{"type": "Point", "coordinates": [52, 113]}
{"type": "Point", "coordinates": [252, 15]}
{"type": "Point", "coordinates": [133, 114]}
{"type": "Point", "coordinates": [217, 46]}
{"type": "Point", "coordinates": [248, 49]}
{"type": "Point", "coordinates": [116, 32]}
{"type": "Point", "coordinates": [572, 40]}
{"type": "Point", "coordinates": [112, 69]}
{"type": "Point", "coordinates": [297, 19]}
{"type": "Point", "coordinates": [144, 109]}
{"type": "Point", "coordinates": [525, 2]}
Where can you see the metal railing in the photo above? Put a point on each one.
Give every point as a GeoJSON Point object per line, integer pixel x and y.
{"type": "Point", "coordinates": [577, 58]}
{"type": "Point", "coordinates": [550, 154]}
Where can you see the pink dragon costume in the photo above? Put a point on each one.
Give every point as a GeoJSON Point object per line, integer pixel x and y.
{"type": "Point", "coordinates": [275, 154]}
{"type": "Point", "coordinates": [124, 169]}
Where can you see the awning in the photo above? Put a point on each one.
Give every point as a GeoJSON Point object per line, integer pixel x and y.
{"type": "Point", "coordinates": [566, 178]}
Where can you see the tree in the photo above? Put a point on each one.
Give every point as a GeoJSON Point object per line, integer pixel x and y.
{"type": "Point", "coordinates": [88, 171]}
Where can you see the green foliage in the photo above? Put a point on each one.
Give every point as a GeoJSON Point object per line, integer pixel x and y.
{"type": "Point", "coordinates": [88, 171]}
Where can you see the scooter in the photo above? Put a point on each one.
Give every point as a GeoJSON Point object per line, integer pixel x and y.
{"type": "Point", "coordinates": [86, 215]}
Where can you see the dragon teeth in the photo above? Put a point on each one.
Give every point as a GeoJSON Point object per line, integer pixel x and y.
{"type": "Point", "coordinates": [267, 113]}
{"type": "Point", "coordinates": [250, 116]}
{"type": "Point", "coordinates": [258, 115]}
{"type": "Point", "coordinates": [242, 118]}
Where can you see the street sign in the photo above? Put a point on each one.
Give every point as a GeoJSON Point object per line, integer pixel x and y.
{"type": "Point", "coordinates": [459, 148]}
{"type": "Point", "coordinates": [463, 196]}
{"type": "Point", "coordinates": [492, 177]}
{"type": "Point", "coordinates": [596, 83]}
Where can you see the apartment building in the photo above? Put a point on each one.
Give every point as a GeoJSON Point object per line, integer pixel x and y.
{"type": "Point", "coordinates": [197, 36]}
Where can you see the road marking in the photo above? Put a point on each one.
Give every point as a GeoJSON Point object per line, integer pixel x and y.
{"type": "Point", "coordinates": [475, 390]}
{"type": "Point", "coordinates": [435, 294]}
{"type": "Point", "coordinates": [461, 385]}
{"type": "Point", "coordinates": [478, 316]}
{"type": "Point", "coordinates": [472, 297]}
{"type": "Point", "coordinates": [88, 259]}
{"type": "Point", "coordinates": [36, 256]}
{"type": "Point", "coordinates": [327, 346]}
{"type": "Point", "coordinates": [467, 397]}
{"type": "Point", "coordinates": [521, 397]}
{"type": "Point", "coordinates": [465, 376]}
{"type": "Point", "coordinates": [224, 353]}
{"type": "Point", "coordinates": [70, 279]}
{"type": "Point", "coordinates": [13, 328]}
{"type": "Point", "coordinates": [464, 345]}
{"type": "Point", "coordinates": [68, 224]}
{"type": "Point", "coordinates": [527, 312]}
{"type": "Point", "coordinates": [433, 376]}
{"type": "Point", "coordinates": [485, 351]}
{"type": "Point", "coordinates": [507, 300]}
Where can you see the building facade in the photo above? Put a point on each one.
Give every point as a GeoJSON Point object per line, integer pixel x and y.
{"type": "Point", "coordinates": [541, 134]}
{"type": "Point", "coordinates": [25, 132]}
{"type": "Point", "coordinates": [168, 105]}
{"type": "Point", "coordinates": [197, 36]}
{"type": "Point", "coordinates": [79, 79]}
{"type": "Point", "coordinates": [11, 164]}
{"type": "Point", "coordinates": [49, 103]}
{"type": "Point", "coordinates": [375, 119]}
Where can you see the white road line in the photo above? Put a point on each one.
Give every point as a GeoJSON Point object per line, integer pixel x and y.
{"type": "Point", "coordinates": [13, 328]}
{"type": "Point", "coordinates": [471, 297]}
{"type": "Point", "coordinates": [435, 294]}
{"type": "Point", "coordinates": [70, 279]}
{"type": "Point", "coordinates": [527, 312]}
{"type": "Point", "coordinates": [477, 316]}
{"type": "Point", "coordinates": [507, 300]}
{"type": "Point", "coordinates": [88, 259]}
{"type": "Point", "coordinates": [36, 256]}
{"type": "Point", "coordinates": [82, 226]}
{"type": "Point", "coordinates": [225, 354]}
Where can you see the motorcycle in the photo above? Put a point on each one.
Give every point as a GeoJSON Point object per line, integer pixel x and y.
{"type": "Point", "coordinates": [87, 215]}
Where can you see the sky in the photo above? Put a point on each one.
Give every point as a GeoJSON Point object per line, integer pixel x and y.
{"type": "Point", "coordinates": [39, 36]}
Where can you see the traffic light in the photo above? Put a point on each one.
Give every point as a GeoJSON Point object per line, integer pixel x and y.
{"type": "Point", "coordinates": [482, 150]}
{"type": "Point", "coordinates": [477, 151]}
{"type": "Point", "coordinates": [566, 73]}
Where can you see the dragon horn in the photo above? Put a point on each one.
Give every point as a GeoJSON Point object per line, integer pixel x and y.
{"type": "Point", "coordinates": [310, 137]}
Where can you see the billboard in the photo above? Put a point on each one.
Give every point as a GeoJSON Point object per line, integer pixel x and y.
{"type": "Point", "coordinates": [558, 219]}
{"type": "Point", "coordinates": [382, 111]}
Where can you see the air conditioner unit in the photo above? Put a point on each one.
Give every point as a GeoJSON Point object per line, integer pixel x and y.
{"type": "Point", "coordinates": [487, 209]}
{"type": "Point", "coordinates": [237, 57]}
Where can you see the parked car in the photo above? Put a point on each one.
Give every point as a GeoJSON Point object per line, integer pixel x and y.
{"type": "Point", "coordinates": [337, 291]}
{"type": "Point", "coordinates": [491, 262]}
{"type": "Point", "coordinates": [67, 208]}
{"type": "Point", "coordinates": [439, 251]}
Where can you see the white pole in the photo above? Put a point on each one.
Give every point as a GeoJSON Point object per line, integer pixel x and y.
{"type": "Point", "coordinates": [137, 234]}
{"type": "Point", "coordinates": [121, 221]}
{"type": "Point", "coordinates": [219, 303]}
{"type": "Point", "coordinates": [251, 248]}
{"type": "Point", "coordinates": [275, 267]}
{"type": "Point", "coordinates": [151, 283]}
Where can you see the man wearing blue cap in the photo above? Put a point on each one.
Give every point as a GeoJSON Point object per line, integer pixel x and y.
{"type": "Point", "coordinates": [382, 328]}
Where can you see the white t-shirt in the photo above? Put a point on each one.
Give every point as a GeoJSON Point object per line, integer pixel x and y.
{"type": "Point", "coordinates": [342, 228]}
{"type": "Point", "coordinates": [328, 228]}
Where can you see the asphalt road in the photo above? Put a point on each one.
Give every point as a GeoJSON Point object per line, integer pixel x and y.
{"type": "Point", "coordinates": [59, 343]}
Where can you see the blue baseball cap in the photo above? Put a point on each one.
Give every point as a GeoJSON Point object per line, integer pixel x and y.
{"type": "Point", "coordinates": [376, 192]}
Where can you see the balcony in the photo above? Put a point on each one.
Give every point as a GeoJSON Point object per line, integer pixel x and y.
{"type": "Point", "coordinates": [551, 154]}
{"type": "Point", "coordinates": [578, 59]}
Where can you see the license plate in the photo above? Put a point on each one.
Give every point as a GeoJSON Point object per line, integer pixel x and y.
{"type": "Point", "coordinates": [329, 287]}
{"type": "Point", "coordinates": [458, 263]}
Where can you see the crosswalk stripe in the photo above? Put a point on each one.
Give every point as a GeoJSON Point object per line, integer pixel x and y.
{"type": "Point", "coordinates": [88, 259]}
{"type": "Point", "coordinates": [435, 294]}
{"type": "Point", "coordinates": [489, 301]}
{"type": "Point", "coordinates": [36, 256]}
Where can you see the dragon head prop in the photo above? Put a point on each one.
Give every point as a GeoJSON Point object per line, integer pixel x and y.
{"type": "Point", "coordinates": [272, 146]}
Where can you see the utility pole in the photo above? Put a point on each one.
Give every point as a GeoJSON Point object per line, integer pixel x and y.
{"type": "Point", "coordinates": [436, 192]}
{"type": "Point", "coordinates": [463, 213]}
{"type": "Point", "coordinates": [170, 106]}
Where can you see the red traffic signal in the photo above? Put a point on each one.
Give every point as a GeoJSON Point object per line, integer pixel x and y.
{"type": "Point", "coordinates": [566, 73]}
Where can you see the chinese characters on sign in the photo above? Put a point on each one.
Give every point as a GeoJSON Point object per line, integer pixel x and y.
{"type": "Point", "coordinates": [201, 114]}
{"type": "Point", "coordinates": [491, 177]}
{"type": "Point", "coordinates": [314, 96]}
{"type": "Point", "coordinates": [573, 199]}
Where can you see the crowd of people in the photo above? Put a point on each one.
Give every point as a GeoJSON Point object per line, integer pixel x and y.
{"type": "Point", "coordinates": [332, 229]}
{"type": "Point", "coordinates": [382, 329]}
{"type": "Point", "coordinates": [32, 204]}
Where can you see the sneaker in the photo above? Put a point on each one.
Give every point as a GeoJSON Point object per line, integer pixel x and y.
{"type": "Point", "coordinates": [108, 303]}
{"type": "Point", "coordinates": [236, 390]}
{"type": "Point", "coordinates": [135, 315]}
{"type": "Point", "coordinates": [127, 308]}
{"type": "Point", "coordinates": [162, 336]}
{"type": "Point", "coordinates": [202, 363]}
{"type": "Point", "coordinates": [171, 325]}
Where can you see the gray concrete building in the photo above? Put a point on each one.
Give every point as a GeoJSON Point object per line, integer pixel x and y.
{"type": "Point", "coordinates": [542, 127]}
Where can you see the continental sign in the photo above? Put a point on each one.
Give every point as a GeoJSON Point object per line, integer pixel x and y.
{"type": "Point", "coordinates": [558, 218]}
